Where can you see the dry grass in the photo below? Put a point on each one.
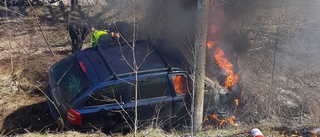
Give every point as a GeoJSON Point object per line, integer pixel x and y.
{"type": "Point", "coordinates": [290, 100]}
{"type": "Point", "coordinates": [65, 134]}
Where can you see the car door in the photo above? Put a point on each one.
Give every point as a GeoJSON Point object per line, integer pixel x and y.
{"type": "Point", "coordinates": [106, 104]}
{"type": "Point", "coordinates": [154, 100]}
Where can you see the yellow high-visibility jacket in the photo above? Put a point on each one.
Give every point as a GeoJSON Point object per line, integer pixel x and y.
{"type": "Point", "coordinates": [95, 36]}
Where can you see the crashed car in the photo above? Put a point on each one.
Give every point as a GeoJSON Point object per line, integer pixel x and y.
{"type": "Point", "coordinates": [95, 88]}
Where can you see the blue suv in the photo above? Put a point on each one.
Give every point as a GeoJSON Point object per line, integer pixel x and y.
{"type": "Point", "coordinates": [95, 88]}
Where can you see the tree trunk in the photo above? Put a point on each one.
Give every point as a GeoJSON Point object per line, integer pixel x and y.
{"type": "Point", "coordinates": [200, 59]}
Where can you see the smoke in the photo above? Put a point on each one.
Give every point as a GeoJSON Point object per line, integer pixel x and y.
{"type": "Point", "coordinates": [223, 17]}
{"type": "Point", "coordinates": [175, 21]}
{"type": "Point", "coordinates": [283, 38]}
{"type": "Point", "coordinates": [170, 20]}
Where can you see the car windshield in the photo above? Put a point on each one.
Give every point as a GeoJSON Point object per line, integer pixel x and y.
{"type": "Point", "coordinates": [69, 78]}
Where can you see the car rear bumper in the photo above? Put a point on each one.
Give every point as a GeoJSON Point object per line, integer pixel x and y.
{"type": "Point", "coordinates": [62, 123]}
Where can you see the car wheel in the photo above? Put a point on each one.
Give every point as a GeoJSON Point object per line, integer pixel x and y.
{"type": "Point", "coordinates": [220, 101]}
{"type": "Point", "coordinates": [226, 109]}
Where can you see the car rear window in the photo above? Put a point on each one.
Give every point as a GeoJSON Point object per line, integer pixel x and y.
{"type": "Point", "coordinates": [70, 78]}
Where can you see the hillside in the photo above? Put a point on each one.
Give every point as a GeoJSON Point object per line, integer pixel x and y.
{"type": "Point", "coordinates": [275, 47]}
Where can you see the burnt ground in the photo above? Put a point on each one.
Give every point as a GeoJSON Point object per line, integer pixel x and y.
{"type": "Point", "coordinates": [278, 70]}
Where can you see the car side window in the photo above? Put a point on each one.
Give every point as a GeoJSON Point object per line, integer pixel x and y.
{"type": "Point", "coordinates": [112, 94]}
{"type": "Point", "coordinates": [151, 87]}
{"type": "Point", "coordinates": [180, 84]}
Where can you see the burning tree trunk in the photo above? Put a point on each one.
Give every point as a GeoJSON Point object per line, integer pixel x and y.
{"type": "Point", "coordinates": [200, 59]}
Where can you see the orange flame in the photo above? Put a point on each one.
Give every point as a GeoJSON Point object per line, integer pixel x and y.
{"type": "Point", "coordinates": [223, 62]}
{"type": "Point", "coordinates": [214, 38]}
{"type": "Point", "coordinates": [211, 43]}
{"type": "Point", "coordinates": [236, 102]}
{"type": "Point", "coordinates": [229, 120]}
{"type": "Point", "coordinates": [220, 58]}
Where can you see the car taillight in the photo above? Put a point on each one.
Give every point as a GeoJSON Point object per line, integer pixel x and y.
{"type": "Point", "coordinates": [74, 117]}
{"type": "Point", "coordinates": [180, 84]}
{"type": "Point", "coordinates": [83, 67]}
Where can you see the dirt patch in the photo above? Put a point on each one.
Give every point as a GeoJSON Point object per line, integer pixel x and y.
{"type": "Point", "coordinates": [25, 60]}
{"type": "Point", "coordinates": [29, 118]}
{"type": "Point", "coordinates": [23, 104]}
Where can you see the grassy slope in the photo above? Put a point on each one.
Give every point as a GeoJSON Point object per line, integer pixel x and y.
{"type": "Point", "coordinates": [26, 61]}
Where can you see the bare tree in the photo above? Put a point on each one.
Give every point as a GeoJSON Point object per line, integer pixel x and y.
{"type": "Point", "coordinates": [200, 45]}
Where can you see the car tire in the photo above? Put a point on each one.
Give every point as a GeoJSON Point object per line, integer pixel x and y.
{"type": "Point", "coordinates": [225, 105]}
{"type": "Point", "coordinates": [226, 109]}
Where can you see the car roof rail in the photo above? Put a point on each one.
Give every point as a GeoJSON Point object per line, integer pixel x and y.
{"type": "Point", "coordinates": [105, 60]}
{"type": "Point", "coordinates": [155, 47]}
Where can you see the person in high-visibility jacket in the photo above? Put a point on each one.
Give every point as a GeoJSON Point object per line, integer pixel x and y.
{"type": "Point", "coordinates": [103, 37]}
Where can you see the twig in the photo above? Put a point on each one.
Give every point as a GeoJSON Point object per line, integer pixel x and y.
{"type": "Point", "coordinates": [47, 126]}
{"type": "Point", "coordinates": [12, 131]}
{"type": "Point", "coordinates": [55, 107]}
